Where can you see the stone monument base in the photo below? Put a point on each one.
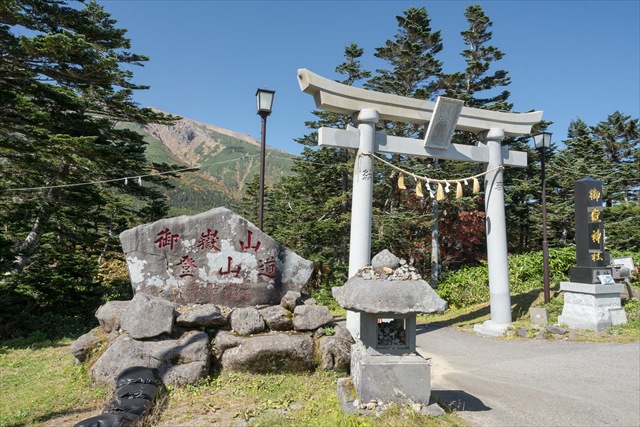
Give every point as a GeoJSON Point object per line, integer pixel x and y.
{"type": "Point", "coordinates": [390, 378]}
{"type": "Point", "coordinates": [591, 306]}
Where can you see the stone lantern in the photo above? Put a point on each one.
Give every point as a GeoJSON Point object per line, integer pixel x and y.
{"type": "Point", "coordinates": [384, 363]}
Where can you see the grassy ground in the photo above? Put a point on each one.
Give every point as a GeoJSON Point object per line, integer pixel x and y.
{"type": "Point", "coordinates": [465, 318]}
{"type": "Point", "coordinates": [41, 386]}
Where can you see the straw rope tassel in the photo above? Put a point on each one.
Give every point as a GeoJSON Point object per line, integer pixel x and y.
{"type": "Point", "coordinates": [419, 190]}
{"type": "Point", "coordinates": [458, 190]}
{"type": "Point", "coordinates": [440, 193]}
{"type": "Point", "coordinates": [401, 182]}
{"type": "Point", "coordinates": [476, 186]}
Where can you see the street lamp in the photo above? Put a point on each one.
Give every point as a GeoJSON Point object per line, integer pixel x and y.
{"type": "Point", "coordinates": [264, 97]}
{"type": "Point", "coordinates": [542, 141]}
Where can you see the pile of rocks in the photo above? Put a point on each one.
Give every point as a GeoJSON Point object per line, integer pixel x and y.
{"type": "Point", "coordinates": [212, 291]}
{"type": "Point", "coordinates": [386, 266]}
{"type": "Point", "coordinates": [183, 342]}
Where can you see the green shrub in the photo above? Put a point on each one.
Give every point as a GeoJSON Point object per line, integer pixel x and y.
{"type": "Point", "coordinates": [470, 285]}
{"type": "Point", "coordinates": [465, 287]}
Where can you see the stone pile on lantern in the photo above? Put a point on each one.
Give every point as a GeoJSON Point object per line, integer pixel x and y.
{"type": "Point", "coordinates": [384, 363]}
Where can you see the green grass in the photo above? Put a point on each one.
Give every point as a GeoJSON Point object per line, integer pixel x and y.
{"type": "Point", "coordinates": [39, 382]}
{"type": "Point", "coordinates": [465, 318]}
{"type": "Point", "coordinates": [41, 386]}
{"type": "Point", "coordinates": [308, 399]}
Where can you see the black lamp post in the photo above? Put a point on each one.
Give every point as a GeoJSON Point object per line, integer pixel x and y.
{"type": "Point", "coordinates": [264, 98]}
{"type": "Point", "coordinates": [542, 141]}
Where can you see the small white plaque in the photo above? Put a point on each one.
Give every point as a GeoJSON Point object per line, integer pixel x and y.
{"type": "Point", "coordinates": [443, 123]}
{"type": "Point", "coordinates": [606, 279]}
{"type": "Point", "coordinates": [625, 262]}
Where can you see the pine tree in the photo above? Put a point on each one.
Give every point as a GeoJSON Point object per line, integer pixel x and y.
{"type": "Point", "coordinates": [476, 86]}
{"type": "Point", "coordinates": [65, 86]}
{"type": "Point", "coordinates": [402, 219]}
{"type": "Point", "coordinates": [608, 152]}
{"type": "Point", "coordinates": [479, 57]}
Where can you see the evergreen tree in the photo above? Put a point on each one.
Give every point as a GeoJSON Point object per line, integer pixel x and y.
{"type": "Point", "coordinates": [65, 84]}
{"type": "Point", "coordinates": [479, 57]}
{"type": "Point", "coordinates": [411, 56]}
{"type": "Point", "coordinates": [477, 86]}
{"type": "Point", "coordinates": [401, 219]}
{"type": "Point", "coordinates": [608, 152]}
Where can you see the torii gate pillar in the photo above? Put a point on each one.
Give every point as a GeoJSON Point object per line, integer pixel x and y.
{"type": "Point", "coordinates": [496, 229]}
{"type": "Point", "coordinates": [361, 204]}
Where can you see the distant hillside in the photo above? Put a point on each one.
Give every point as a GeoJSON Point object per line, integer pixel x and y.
{"type": "Point", "coordinates": [228, 160]}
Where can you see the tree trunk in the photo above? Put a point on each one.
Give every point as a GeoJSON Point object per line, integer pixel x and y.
{"type": "Point", "coordinates": [31, 242]}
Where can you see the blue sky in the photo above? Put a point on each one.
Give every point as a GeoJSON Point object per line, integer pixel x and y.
{"type": "Point", "coordinates": [570, 59]}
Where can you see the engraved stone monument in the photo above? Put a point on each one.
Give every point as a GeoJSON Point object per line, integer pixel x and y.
{"type": "Point", "coordinates": [591, 298]}
{"type": "Point", "coordinates": [214, 257]}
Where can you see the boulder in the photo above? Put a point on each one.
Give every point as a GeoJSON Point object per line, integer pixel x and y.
{"type": "Point", "coordinates": [110, 313]}
{"type": "Point", "coordinates": [277, 318]}
{"type": "Point", "coordinates": [82, 347]}
{"type": "Point", "coordinates": [206, 315]}
{"type": "Point", "coordinates": [343, 333]}
{"type": "Point", "coordinates": [335, 353]}
{"type": "Point", "coordinates": [225, 340]}
{"type": "Point", "coordinates": [310, 317]}
{"type": "Point", "coordinates": [309, 301]}
{"type": "Point", "coordinates": [275, 352]}
{"type": "Point", "coordinates": [385, 262]}
{"type": "Point", "coordinates": [247, 321]}
{"type": "Point", "coordinates": [214, 257]}
{"type": "Point", "coordinates": [147, 316]}
{"type": "Point", "coordinates": [290, 300]}
{"type": "Point", "coordinates": [178, 362]}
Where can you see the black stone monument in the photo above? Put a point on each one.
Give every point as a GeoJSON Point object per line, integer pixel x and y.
{"type": "Point", "coordinates": [591, 258]}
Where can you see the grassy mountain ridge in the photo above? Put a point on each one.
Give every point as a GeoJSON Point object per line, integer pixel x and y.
{"type": "Point", "coordinates": [227, 161]}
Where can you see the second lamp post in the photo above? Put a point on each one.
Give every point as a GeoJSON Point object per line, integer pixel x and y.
{"type": "Point", "coordinates": [542, 142]}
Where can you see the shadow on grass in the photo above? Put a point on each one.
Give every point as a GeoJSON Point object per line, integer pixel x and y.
{"type": "Point", "coordinates": [88, 410]}
{"type": "Point", "coordinates": [520, 305]}
{"type": "Point", "coordinates": [31, 343]}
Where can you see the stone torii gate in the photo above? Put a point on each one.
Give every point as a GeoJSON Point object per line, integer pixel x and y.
{"type": "Point", "coordinates": [491, 127]}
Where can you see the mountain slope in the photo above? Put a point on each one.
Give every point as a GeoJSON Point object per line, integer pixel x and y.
{"type": "Point", "coordinates": [228, 160]}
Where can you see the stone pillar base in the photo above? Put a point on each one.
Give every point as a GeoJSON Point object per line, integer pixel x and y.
{"type": "Point", "coordinates": [401, 379]}
{"type": "Point", "coordinates": [591, 306]}
{"type": "Point", "coordinates": [491, 328]}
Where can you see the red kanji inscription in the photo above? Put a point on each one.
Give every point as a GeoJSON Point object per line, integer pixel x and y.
{"type": "Point", "coordinates": [236, 272]}
{"type": "Point", "coordinates": [187, 266]}
{"type": "Point", "coordinates": [209, 240]}
{"type": "Point", "coordinates": [166, 239]}
{"type": "Point", "coordinates": [267, 267]}
{"type": "Point", "coordinates": [248, 244]}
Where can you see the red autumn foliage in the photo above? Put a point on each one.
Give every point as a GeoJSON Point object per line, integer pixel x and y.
{"type": "Point", "coordinates": [462, 236]}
